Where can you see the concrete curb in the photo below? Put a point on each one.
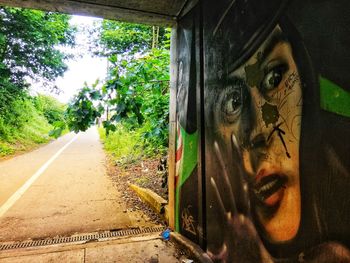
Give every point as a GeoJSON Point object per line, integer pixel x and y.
{"type": "Point", "coordinates": [193, 249]}
{"type": "Point", "coordinates": [157, 203]}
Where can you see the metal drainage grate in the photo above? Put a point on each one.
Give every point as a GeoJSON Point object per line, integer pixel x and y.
{"type": "Point", "coordinates": [80, 238]}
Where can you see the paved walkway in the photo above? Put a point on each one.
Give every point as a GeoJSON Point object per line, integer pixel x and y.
{"type": "Point", "coordinates": [149, 248]}
{"type": "Point", "coordinates": [61, 189]}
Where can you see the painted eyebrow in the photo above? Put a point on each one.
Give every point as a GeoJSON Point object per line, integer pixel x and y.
{"type": "Point", "coordinates": [277, 37]}
{"type": "Point", "coordinates": [235, 82]}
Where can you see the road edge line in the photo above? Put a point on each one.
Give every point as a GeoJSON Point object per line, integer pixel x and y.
{"type": "Point", "coordinates": [18, 194]}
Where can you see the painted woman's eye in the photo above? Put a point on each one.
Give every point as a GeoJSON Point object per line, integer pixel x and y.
{"type": "Point", "coordinates": [233, 102]}
{"type": "Point", "coordinates": [273, 78]}
{"type": "Point", "coordinates": [232, 99]}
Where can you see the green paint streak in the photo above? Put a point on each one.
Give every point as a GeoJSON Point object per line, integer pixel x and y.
{"type": "Point", "coordinates": [189, 155]}
{"type": "Point", "coordinates": [188, 163]}
{"type": "Point", "coordinates": [334, 98]}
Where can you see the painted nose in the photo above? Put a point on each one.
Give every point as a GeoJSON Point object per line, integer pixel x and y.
{"type": "Point", "coordinates": [257, 132]}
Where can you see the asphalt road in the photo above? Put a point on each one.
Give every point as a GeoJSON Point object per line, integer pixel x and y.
{"type": "Point", "coordinates": [61, 189]}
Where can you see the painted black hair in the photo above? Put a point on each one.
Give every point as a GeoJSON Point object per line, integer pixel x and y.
{"type": "Point", "coordinates": [311, 226]}
{"type": "Point", "coordinates": [324, 169]}
{"type": "Point", "coordinates": [324, 163]}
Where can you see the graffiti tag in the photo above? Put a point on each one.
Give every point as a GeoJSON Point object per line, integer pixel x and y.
{"type": "Point", "coordinates": [188, 221]}
{"type": "Point", "coordinates": [291, 80]}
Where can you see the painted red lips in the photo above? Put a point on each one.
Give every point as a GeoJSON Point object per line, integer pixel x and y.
{"type": "Point", "coordinates": [269, 188]}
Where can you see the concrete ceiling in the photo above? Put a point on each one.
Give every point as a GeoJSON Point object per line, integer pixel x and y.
{"type": "Point", "coordinates": [158, 12]}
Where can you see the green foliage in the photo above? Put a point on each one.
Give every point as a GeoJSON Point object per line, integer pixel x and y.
{"type": "Point", "coordinates": [81, 112]}
{"type": "Point", "coordinates": [135, 96]}
{"type": "Point", "coordinates": [123, 145]}
{"type": "Point", "coordinates": [11, 121]}
{"type": "Point", "coordinates": [29, 42]}
{"type": "Point", "coordinates": [22, 127]}
{"type": "Point", "coordinates": [113, 37]}
{"type": "Point", "coordinates": [35, 131]}
{"type": "Point", "coordinates": [28, 45]}
{"type": "Point", "coordinates": [142, 94]}
{"type": "Point", "coordinates": [51, 108]}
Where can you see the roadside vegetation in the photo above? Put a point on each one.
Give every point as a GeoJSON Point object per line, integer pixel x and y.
{"type": "Point", "coordinates": [28, 123]}
{"type": "Point", "coordinates": [131, 106]}
{"type": "Point", "coordinates": [132, 103]}
{"type": "Point", "coordinates": [29, 53]}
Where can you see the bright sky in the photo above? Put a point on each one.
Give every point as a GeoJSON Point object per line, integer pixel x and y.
{"type": "Point", "coordinates": [83, 68]}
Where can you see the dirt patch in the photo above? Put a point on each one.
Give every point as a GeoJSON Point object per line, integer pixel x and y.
{"type": "Point", "coordinates": [144, 174]}
{"type": "Point", "coordinates": [20, 149]}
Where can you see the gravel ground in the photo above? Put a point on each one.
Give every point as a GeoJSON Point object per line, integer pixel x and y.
{"type": "Point", "coordinates": [142, 173]}
{"type": "Point", "coordinates": [145, 174]}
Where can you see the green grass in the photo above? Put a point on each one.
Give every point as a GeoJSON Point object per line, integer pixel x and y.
{"type": "Point", "coordinates": [23, 129]}
{"type": "Point", "coordinates": [123, 146]}
{"type": "Point", "coordinates": [33, 132]}
{"type": "Point", "coordinates": [127, 146]}
{"type": "Point", "coordinates": [6, 149]}
{"type": "Point", "coordinates": [36, 130]}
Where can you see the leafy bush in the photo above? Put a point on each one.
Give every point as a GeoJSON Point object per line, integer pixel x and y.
{"type": "Point", "coordinates": [81, 112]}
{"type": "Point", "coordinates": [23, 126]}
{"type": "Point", "coordinates": [28, 51]}
{"type": "Point", "coordinates": [11, 121]}
{"type": "Point", "coordinates": [28, 45]}
{"type": "Point", "coordinates": [51, 108]}
{"type": "Point", "coordinates": [124, 145]}
{"type": "Point", "coordinates": [135, 97]}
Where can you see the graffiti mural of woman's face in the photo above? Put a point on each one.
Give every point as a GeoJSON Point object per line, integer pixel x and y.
{"type": "Point", "coordinates": [261, 107]}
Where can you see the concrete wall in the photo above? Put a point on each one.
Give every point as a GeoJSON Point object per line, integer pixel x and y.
{"type": "Point", "coordinates": [155, 12]}
{"type": "Point", "coordinates": [263, 107]}
{"type": "Point", "coordinates": [259, 122]}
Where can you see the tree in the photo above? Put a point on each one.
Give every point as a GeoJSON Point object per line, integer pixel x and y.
{"type": "Point", "coordinates": [81, 112]}
{"type": "Point", "coordinates": [136, 92]}
{"type": "Point", "coordinates": [50, 108]}
{"type": "Point", "coordinates": [29, 51]}
{"type": "Point", "coordinates": [120, 38]}
{"type": "Point", "coordinates": [28, 45]}
{"type": "Point", "coordinates": [141, 97]}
